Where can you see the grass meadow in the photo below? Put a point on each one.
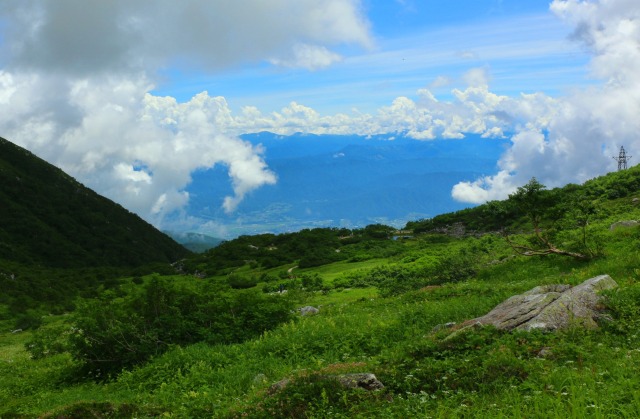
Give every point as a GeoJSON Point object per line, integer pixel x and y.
{"type": "Point", "coordinates": [484, 373]}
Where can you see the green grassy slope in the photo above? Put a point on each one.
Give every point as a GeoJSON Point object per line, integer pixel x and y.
{"type": "Point", "coordinates": [379, 301]}
{"type": "Point", "coordinates": [498, 215]}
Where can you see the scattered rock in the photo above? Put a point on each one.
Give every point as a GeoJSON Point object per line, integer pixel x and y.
{"type": "Point", "coordinates": [466, 327]}
{"type": "Point", "coordinates": [440, 327]}
{"type": "Point", "coordinates": [624, 224]}
{"type": "Point", "coordinates": [545, 352]}
{"type": "Point", "coordinates": [260, 379]}
{"type": "Point", "coordinates": [308, 311]}
{"type": "Point", "coordinates": [549, 307]}
{"type": "Point", "coordinates": [456, 230]}
{"type": "Point", "coordinates": [364, 380]}
{"type": "Point", "coordinates": [635, 201]}
{"type": "Point", "coordinates": [276, 387]}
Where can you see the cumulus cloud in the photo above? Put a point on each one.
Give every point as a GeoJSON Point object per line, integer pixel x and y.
{"type": "Point", "coordinates": [134, 147]}
{"type": "Point", "coordinates": [76, 77]}
{"type": "Point", "coordinates": [88, 36]}
{"type": "Point", "coordinates": [311, 57]}
{"type": "Point", "coordinates": [586, 127]}
{"type": "Point", "coordinates": [474, 109]}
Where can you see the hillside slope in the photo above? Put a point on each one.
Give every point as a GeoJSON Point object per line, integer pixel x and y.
{"type": "Point", "coordinates": [48, 218]}
{"type": "Point", "coordinates": [223, 339]}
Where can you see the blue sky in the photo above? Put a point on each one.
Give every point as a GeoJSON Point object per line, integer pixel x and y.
{"type": "Point", "coordinates": [521, 44]}
{"type": "Point", "coordinates": [132, 97]}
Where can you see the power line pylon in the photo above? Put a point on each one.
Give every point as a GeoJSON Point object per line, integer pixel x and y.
{"type": "Point", "coordinates": [622, 159]}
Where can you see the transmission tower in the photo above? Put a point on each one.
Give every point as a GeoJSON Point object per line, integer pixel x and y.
{"type": "Point", "coordinates": [622, 159]}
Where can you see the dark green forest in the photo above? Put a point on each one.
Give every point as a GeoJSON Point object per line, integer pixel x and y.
{"type": "Point", "coordinates": [47, 218]}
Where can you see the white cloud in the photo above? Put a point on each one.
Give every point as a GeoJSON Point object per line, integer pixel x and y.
{"type": "Point", "coordinates": [75, 78]}
{"type": "Point", "coordinates": [477, 77]}
{"type": "Point", "coordinates": [440, 81]}
{"type": "Point", "coordinates": [587, 127]}
{"type": "Point", "coordinates": [140, 149]}
{"type": "Point", "coordinates": [89, 36]}
{"type": "Point", "coordinates": [311, 57]}
{"type": "Point", "coordinates": [135, 148]}
{"type": "Point", "coordinates": [473, 110]}
{"type": "Point", "coordinates": [485, 189]}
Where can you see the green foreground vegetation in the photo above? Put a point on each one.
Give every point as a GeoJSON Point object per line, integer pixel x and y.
{"type": "Point", "coordinates": [210, 336]}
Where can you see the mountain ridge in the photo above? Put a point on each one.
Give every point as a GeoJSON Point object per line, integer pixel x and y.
{"type": "Point", "coordinates": [50, 219]}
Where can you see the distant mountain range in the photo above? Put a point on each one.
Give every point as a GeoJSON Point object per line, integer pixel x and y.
{"type": "Point", "coordinates": [346, 181]}
{"type": "Point", "coordinates": [49, 219]}
{"type": "Point", "coordinates": [195, 242]}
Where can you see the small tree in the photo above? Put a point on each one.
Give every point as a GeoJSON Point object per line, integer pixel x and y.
{"type": "Point", "coordinates": [533, 202]}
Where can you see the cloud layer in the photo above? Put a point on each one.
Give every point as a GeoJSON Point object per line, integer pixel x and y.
{"type": "Point", "coordinates": [86, 37]}
{"type": "Point", "coordinates": [588, 127]}
{"type": "Point", "coordinates": [75, 79]}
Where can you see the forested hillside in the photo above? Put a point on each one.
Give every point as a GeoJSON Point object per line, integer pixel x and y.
{"type": "Point", "coordinates": [47, 218]}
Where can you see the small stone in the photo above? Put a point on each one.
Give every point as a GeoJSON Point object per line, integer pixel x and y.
{"type": "Point", "coordinates": [443, 326]}
{"type": "Point", "coordinates": [364, 380]}
{"type": "Point", "coordinates": [624, 224]}
{"type": "Point", "coordinates": [308, 311]}
{"type": "Point", "coordinates": [260, 379]}
{"type": "Point", "coordinates": [545, 352]}
{"type": "Point", "coordinates": [279, 385]}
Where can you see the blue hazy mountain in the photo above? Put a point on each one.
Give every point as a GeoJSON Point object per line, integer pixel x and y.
{"type": "Point", "coordinates": [195, 242]}
{"type": "Point", "coordinates": [349, 181]}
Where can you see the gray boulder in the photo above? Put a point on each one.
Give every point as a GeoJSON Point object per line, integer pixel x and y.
{"type": "Point", "coordinates": [624, 224]}
{"type": "Point", "coordinates": [308, 311]}
{"type": "Point", "coordinates": [549, 307]}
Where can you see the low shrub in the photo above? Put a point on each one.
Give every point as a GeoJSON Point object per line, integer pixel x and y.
{"type": "Point", "coordinates": [110, 334]}
{"type": "Point", "coordinates": [240, 282]}
{"type": "Point", "coordinates": [313, 396]}
{"type": "Point", "coordinates": [623, 305]}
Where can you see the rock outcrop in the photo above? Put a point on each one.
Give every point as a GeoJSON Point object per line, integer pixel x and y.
{"type": "Point", "coordinates": [549, 307]}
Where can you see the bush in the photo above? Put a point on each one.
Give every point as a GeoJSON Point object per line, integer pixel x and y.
{"type": "Point", "coordinates": [236, 281]}
{"type": "Point", "coordinates": [48, 341]}
{"type": "Point", "coordinates": [398, 279]}
{"type": "Point", "coordinates": [29, 320]}
{"type": "Point", "coordinates": [454, 268]}
{"type": "Point", "coordinates": [358, 279]}
{"type": "Point", "coordinates": [314, 396]}
{"type": "Point", "coordinates": [624, 307]}
{"type": "Point", "coordinates": [395, 280]}
{"type": "Point", "coordinates": [111, 334]}
{"type": "Point", "coordinates": [312, 282]}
